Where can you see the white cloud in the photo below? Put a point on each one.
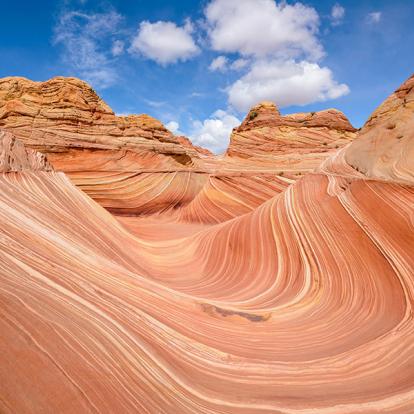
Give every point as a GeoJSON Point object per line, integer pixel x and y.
{"type": "Point", "coordinates": [337, 14]}
{"type": "Point", "coordinates": [214, 132]}
{"type": "Point", "coordinates": [117, 47]}
{"type": "Point", "coordinates": [174, 127]}
{"type": "Point", "coordinates": [155, 104]}
{"type": "Point", "coordinates": [285, 83]}
{"type": "Point", "coordinates": [239, 64]}
{"type": "Point", "coordinates": [262, 27]}
{"type": "Point", "coordinates": [82, 37]}
{"type": "Point", "coordinates": [219, 64]}
{"type": "Point", "coordinates": [279, 46]}
{"type": "Point", "coordinates": [222, 64]}
{"type": "Point", "coordinates": [374, 17]}
{"type": "Point", "coordinates": [164, 42]}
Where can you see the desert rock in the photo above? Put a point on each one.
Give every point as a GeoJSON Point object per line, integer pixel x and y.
{"type": "Point", "coordinates": [293, 296]}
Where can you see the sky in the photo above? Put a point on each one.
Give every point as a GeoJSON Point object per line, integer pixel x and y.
{"type": "Point", "coordinates": [198, 66]}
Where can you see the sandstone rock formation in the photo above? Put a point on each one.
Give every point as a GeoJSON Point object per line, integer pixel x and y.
{"type": "Point", "coordinates": [385, 146]}
{"type": "Point", "coordinates": [294, 143]}
{"type": "Point", "coordinates": [15, 157]}
{"type": "Point", "coordinates": [134, 166]}
{"type": "Point", "coordinates": [66, 115]}
{"type": "Point", "coordinates": [102, 153]}
{"type": "Point", "coordinates": [300, 305]}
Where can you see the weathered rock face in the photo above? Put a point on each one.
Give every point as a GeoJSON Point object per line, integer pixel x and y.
{"type": "Point", "coordinates": [65, 115]}
{"type": "Point", "coordinates": [266, 114]}
{"type": "Point", "coordinates": [385, 145]}
{"type": "Point", "coordinates": [15, 157]}
{"type": "Point", "coordinates": [303, 304]}
{"type": "Point", "coordinates": [104, 154]}
{"type": "Point", "coordinates": [294, 143]}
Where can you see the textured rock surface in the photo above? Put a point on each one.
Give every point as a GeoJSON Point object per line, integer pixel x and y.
{"type": "Point", "coordinates": [303, 305]}
{"type": "Point", "coordinates": [104, 154]}
{"type": "Point", "coordinates": [134, 166]}
{"type": "Point", "coordinates": [15, 157]}
{"type": "Point", "coordinates": [294, 143]}
{"type": "Point", "coordinates": [385, 146]}
{"type": "Point", "coordinates": [65, 114]}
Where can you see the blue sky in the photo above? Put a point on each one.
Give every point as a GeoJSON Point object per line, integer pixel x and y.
{"type": "Point", "coordinates": [199, 65]}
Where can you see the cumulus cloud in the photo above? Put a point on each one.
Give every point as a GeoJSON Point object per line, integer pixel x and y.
{"type": "Point", "coordinates": [174, 127]}
{"type": "Point", "coordinates": [337, 14]}
{"type": "Point", "coordinates": [214, 132]}
{"type": "Point", "coordinates": [164, 42]}
{"type": "Point", "coordinates": [83, 37]}
{"type": "Point", "coordinates": [374, 17]}
{"type": "Point", "coordinates": [286, 83]}
{"type": "Point", "coordinates": [262, 27]}
{"type": "Point", "coordinates": [279, 47]}
{"type": "Point", "coordinates": [219, 64]}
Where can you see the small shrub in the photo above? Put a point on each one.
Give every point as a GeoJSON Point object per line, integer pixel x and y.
{"type": "Point", "coordinates": [253, 115]}
{"type": "Point", "coordinates": [313, 113]}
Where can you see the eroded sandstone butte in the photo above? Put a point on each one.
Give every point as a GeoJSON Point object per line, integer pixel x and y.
{"type": "Point", "coordinates": [303, 305]}
{"type": "Point", "coordinates": [295, 143]}
{"type": "Point", "coordinates": [106, 155]}
{"type": "Point", "coordinates": [65, 118]}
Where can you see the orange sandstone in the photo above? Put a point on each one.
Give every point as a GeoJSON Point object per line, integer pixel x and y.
{"type": "Point", "coordinates": [300, 302]}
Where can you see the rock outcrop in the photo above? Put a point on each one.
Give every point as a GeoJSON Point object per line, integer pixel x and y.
{"type": "Point", "coordinates": [65, 117]}
{"type": "Point", "coordinates": [385, 145]}
{"type": "Point", "coordinates": [104, 154]}
{"type": "Point", "coordinates": [134, 166]}
{"type": "Point", "coordinates": [302, 304]}
{"type": "Point", "coordinates": [295, 143]}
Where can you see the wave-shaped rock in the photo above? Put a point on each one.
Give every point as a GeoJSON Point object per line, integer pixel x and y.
{"type": "Point", "coordinates": [302, 304]}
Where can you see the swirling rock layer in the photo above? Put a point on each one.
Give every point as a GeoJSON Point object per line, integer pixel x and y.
{"type": "Point", "coordinates": [300, 303]}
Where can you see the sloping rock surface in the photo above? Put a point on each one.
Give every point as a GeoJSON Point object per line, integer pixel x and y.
{"type": "Point", "coordinates": [300, 302]}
